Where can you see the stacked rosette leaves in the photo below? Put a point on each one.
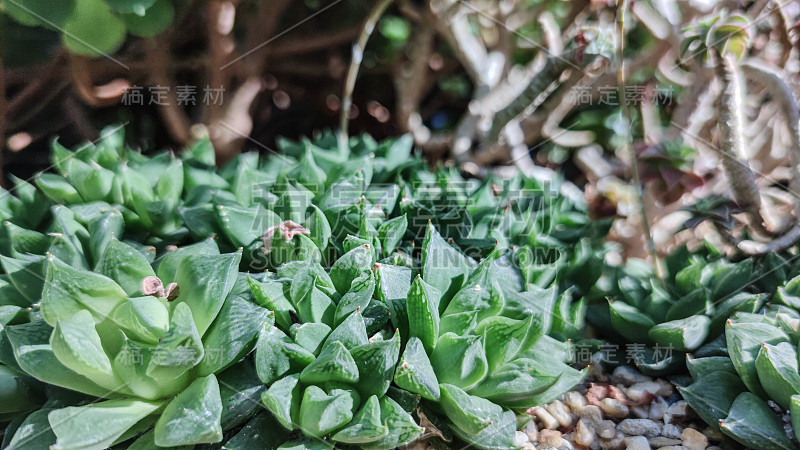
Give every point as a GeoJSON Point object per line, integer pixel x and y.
{"type": "Point", "coordinates": [466, 360]}
{"type": "Point", "coordinates": [138, 343]}
{"type": "Point", "coordinates": [685, 310]}
{"type": "Point", "coordinates": [746, 382]}
{"type": "Point", "coordinates": [126, 317]}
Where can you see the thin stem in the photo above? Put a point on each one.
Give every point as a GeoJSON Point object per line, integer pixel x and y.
{"type": "Point", "coordinates": [352, 73]}
{"type": "Point", "coordinates": [3, 113]}
{"type": "Point", "coordinates": [626, 116]}
{"type": "Point", "coordinates": [732, 143]}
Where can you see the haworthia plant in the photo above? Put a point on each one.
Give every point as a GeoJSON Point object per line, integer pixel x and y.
{"type": "Point", "coordinates": [315, 298]}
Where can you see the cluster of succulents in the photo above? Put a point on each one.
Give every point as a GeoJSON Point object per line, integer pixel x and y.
{"type": "Point", "coordinates": [357, 296]}
{"type": "Point", "coordinates": [687, 308]}
{"type": "Point", "coordinates": [746, 382]}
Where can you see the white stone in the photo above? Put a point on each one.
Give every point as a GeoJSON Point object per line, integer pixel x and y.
{"type": "Point", "coordinates": [638, 390]}
{"type": "Point", "coordinates": [606, 429]}
{"type": "Point", "coordinates": [560, 412]}
{"type": "Point", "coordinates": [520, 438]}
{"type": "Point", "coordinates": [640, 427]}
{"type": "Point", "coordinates": [657, 409]}
{"type": "Point", "coordinates": [614, 408]}
{"type": "Point", "coordinates": [672, 431]}
{"type": "Point", "coordinates": [628, 376]}
{"type": "Point", "coordinates": [637, 443]}
{"type": "Point", "coordinates": [531, 430]}
{"type": "Point", "coordinates": [584, 433]}
{"type": "Point", "coordinates": [574, 400]}
{"type": "Point", "coordinates": [547, 419]}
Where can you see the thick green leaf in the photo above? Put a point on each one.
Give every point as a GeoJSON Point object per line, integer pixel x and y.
{"type": "Point", "coordinates": [352, 332]}
{"type": "Point", "coordinates": [77, 345]}
{"type": "Point", "coordinates": [92, 29]}
{"type": "Point", "coordinates": [402, 428]}
{"type": "Point", "coordinates": [744, 342]}
{"type": "Point", "coordinates": [711, 397]}
{"type": "Point", "coordinates": [193, 417]}
{"type": "Point", "coordinates": [34, 355]}
{"type": "Point", "coordinates": [25, 273]}
{"type": "Point", "coordinates": [277, 355]}
{"type": "Point", "coordinates": [376, 361]}
{"type": "Point", "coordinates": [504, 338]}
{"type": "Point", "coordinates": [125, 265]}
{"type": "Point", "coordinates": [500, 434]}
{"type": "Point", "coordinates": [168, 264]}
{"type": "Point", "coordinates": [700, 367]}
{"type": "Point", "coordinates": [316, 307]}
{"type": "Point", "coordinates": [310, 335]}
{"type": "Point", "coordinates": [460, 360]}
{"type": "Point", "coordinates": [180, 349]}
{"type": "Point", "coordinates": [260, 432]}
{"type": "Point", "coordinates": [444, 267]}
{"type": "Point", "coordinates": [356, 298]}
{"type": "Point", "coordinates": [68, 290]}
{"type": "Point", "coordinates": [468, 412]}
{"type": "Point", "coordinates": [350, 266]}
{"type": "Point", "coordinates": [630, 322]}
{"type": "Point", "coordinates": [97, 425]}
{"type": "Point", "coordinates": [232, 335]}
{"type": "Point", "coordinates": [145, 319]}
{"type": "Point", "coordinates": [282, 399]}
{"type": "Point", "coordinates": [204, 282]}
{"type": "Point", "coordinates": [270, 295]}
{"type": "Point", "coordinates": [366, 425]}
{"type": "Point", "coordinates": [391, 233]}
{"type": "Point", "coordinates": [423, 312]}
{"type": "Point", "coordinates": [776, 366]}
{"type": "Point", "coordinates": [415, 372]}
{"type": "Point", "coordinates": [321, 413]}
{"type": "Point", "coordinates": [518, 380]}
{"type": "Point", "coordinates": [682, 335]}
{"type": "Point", "coordinates": [334, 363]}
{"type": "Point", "coordinates": [34, 433]}
{"type": "Point", "coordinates": [752, 423]}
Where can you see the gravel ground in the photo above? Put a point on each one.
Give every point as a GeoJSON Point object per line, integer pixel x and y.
{"type": "Point", "coordinates": [626, 410]}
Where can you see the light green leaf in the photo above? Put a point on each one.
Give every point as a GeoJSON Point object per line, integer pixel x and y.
{"type": "Point", "coordinates": [193, 417]}
{"type": "Point", "coordinates": [334, 363]}
{"type": "Point", "coordinates": [97, 425]}
{"type": "Point", "coordinates": [204, 282]}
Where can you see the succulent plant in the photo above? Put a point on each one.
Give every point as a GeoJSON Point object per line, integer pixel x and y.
{"type": "Point", "coordinates": [127, 306]}
{"type": "Point", "coordinates": [690, 307]}
{"type": "Point", "coordinates": [740, 386]}
{"type": "Point", "coordinates": [149, 355]}
{"type": "Point", "coordinates": [467, 346]}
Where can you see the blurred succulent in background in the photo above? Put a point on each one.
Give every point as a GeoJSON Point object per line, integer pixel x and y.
{"type": "Point", "coordinates": [687, 309]}
{"type": "Point", "coordinates": [669, 165]}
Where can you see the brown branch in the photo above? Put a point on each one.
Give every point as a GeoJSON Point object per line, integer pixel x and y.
{"type": "Point", "coordinates": [109, 94]}
{"type": "Point", "coordinates": [322, 41]}
{"type": "Point", "coordinates": [218, 29]}
{"type": "Point", "coordinates": [355, 64]}
{"type": "Point", "coordinates": [175, 119]}
{"type": "Point", "coordinates": [261, 30]}
{"type": "Point", "coordinates": [3, 118]}
{"type": "Point", "coordinates": [411, 83]}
